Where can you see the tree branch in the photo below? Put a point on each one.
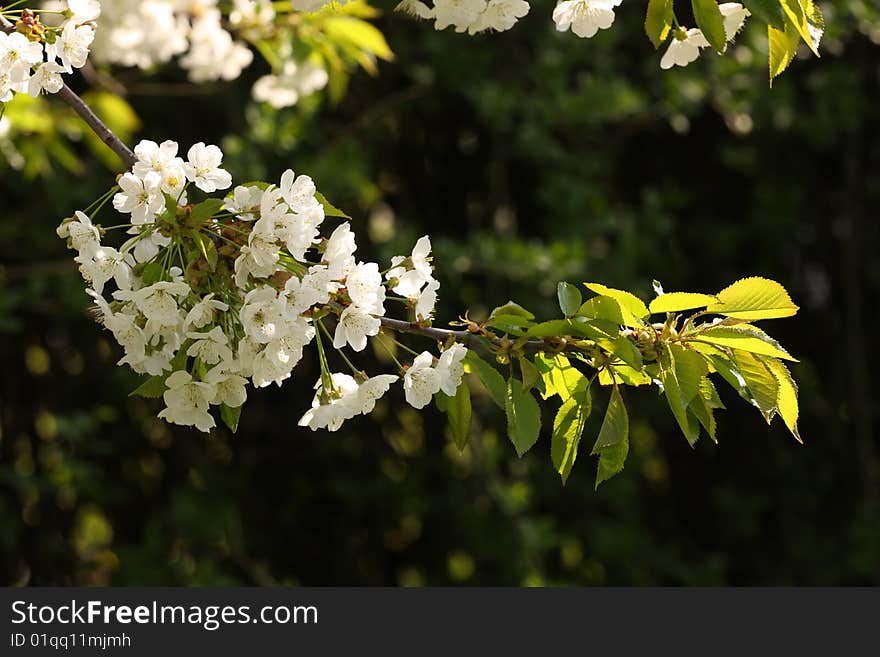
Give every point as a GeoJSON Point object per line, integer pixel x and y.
{"type": "Point", "coordinates": [441, 335]}
{"type": "Point", "coordinates": [86, 114]}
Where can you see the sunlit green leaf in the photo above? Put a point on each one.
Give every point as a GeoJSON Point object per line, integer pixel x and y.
{"type": "Point", "coordinates": [762, 384]}
{"type": "Point", "coordinates": [754, 298]}
{"type": "Point", "coordinates": [634, 309]}
{"type": "Point", "coordinates": [745, 338]}
{"type": "Point", "coordinates": [568, 427]}
{"type": "Point", "coordinates": [675, 301]}
{"type": "Point", "coordinates": [787, 398]}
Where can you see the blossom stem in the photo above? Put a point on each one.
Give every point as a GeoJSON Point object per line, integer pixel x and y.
{"type": "Point", "coordinates": [101, 198]}
{"type": "Point", "coordinates": [404, 347]}
{"type": "Point", "coordinates": [326, 379]}
{"type": "Point", "coordinates": [326, 331]}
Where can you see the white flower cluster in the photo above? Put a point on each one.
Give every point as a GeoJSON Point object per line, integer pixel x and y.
{"type": "Point", "coordinates": [144, 33]}
{"type": "Point", "coordinates": [471, 16]}
{"type": "Point", "coordinates": [205, 326]}
{"type": "Point", "coordinates": [33, 59]}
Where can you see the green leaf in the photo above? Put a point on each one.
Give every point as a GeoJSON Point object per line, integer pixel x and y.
{"type": "Point", "coordinates": [207, 248]}
{"type": "Point", "coordinates": [674, 397]}
{"type": "Point", "coordinates": [786, 400]}
{"type": "Point", "coordinates": [711, 22]}
{"type": "Point", "coordinates": [569, 298]}
{"type": "Point", "coordinates": [746, 338]}
{"type": "Point", "coordinates": [612, 444]}
{"type": "Point", "coordinates": [710, 394]}
{"type": "Point", "coordinates": [568, 427]}
{"type": "Point", "coordinates": [490, 377]}
{"type": "Point", "coordinates": [767, 11]}
{"type": "Point", "coordinates": [623, 374]}
{"type": "Point", "coordinates": [634, 309]}
{"type": "Point", "coordinates": [762, 384]}
{"type": "Point", "coordinates": [615, 426]}
{"type": "Point", "coordinates": [357, 33]}
{"type": "Point", "coordinates": [603, 308]}
{"type": "Point", "coordinates": [783, 46]}
{"type": "Point", "coordinates": [152, 273]}
{"type": "Point", "coordinates": [690, 368]}
{"type": "Point", "coordinates": [559, 375]}
{"type": "Point", "coordinates": [675, 301]}
{"type": "Point", "coordinates": [330, 210]}
{"type": "Point", "coordinates": [513, 324]}
{"type": "Point", "coordinates": [458, 411]}
{"type": "Point", "coordinates": [523, 416]}
{"type": "Point", "coordinates": [207, 209]}
{"type": "Point", "coordinates": [529, 372]}
{"type": "Point", "coordinates": [796, 13]}
{"type": "Point", "coordinates": [701, 410]}
{"type": "Point", "coordinates": [230, 416]}
{"type": "Point", "coordinates": [554, 328]}
{"type": "Point", "coordinates": [152, 388]}
{"type": "Point", "coordinates": [658, 21]}
{"type": "Point", "coordinates": [623, 348]}
{"type": "Point", "coordinates": [513, 309]}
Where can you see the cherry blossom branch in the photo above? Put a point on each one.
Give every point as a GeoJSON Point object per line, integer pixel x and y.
{"type": "Point", "coordinates": [86, 114]}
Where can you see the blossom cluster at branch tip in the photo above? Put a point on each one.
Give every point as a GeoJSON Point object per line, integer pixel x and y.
{"type": "Point", "coordinates": [33, 57]}
{"type": "Point", "coordinates": [209, 300]}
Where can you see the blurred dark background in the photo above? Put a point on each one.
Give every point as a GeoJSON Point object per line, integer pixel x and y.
{"type": "Point", "coordinates": [529, 157]}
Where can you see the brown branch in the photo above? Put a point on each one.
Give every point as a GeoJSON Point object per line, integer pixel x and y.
{"type": "Point", "coordinates": [86, 114]}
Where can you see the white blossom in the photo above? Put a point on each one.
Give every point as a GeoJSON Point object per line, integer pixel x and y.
{"type": "Point", "coordinates": [203, 168]}
{"type": "Point", "coordinates": [372, 390]}
{"type": "Point", "coordinates": [500, 15]}
{"type": "Point", "coordinates": [262, 316]}
{"type": "Point", "coordinates": [229, 388]}
{"type": "Point", "coordinates": [46, 77]}
{"type": "Point", "coordinates": [203, 312]}
{"type": "Point", "coordinates": [82, 233]}
{"type": "Point", "coordinates": [187, 401]}
{"type": "Point", "coordinates": [211, 347]}
{"type": "Point", "coordinates": [353, 328]}
{"type": "Point", "coordinates": [364, 285]}
{"type": "Point", "coordinates": [158, 302]}
{"type": "Point", "coordinates": [584, 17]}
{"type": "Point", "coordinates": [421, 381]}
{"type": "Point", "coordinates": [451, 369]}
{"type": "Point", "coordinates": [140, 197]}
{"type": "Point", "coordinates": [296, 80]}
{"type": "Point", "coordinates": [426, 300]}
{"type": "Point", "coordinates": [245, 202]}
{"type": "Point", "coordinates": [102, 264]}
{"type": "Point", "coordinates": [71, 47]}
{"type": "Point", "coordinates": [461, 14]}
{"type": "Point", "coordinates": [683, 51]}
{"type": "Point", "coordinates": [84, 10]}
{"type": "Point", "coordinates": [343, 404]}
